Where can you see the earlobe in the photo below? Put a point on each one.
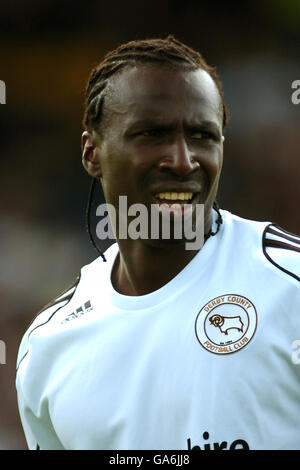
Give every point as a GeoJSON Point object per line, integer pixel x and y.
{"type": "Point", "coordinates": [91, 154]}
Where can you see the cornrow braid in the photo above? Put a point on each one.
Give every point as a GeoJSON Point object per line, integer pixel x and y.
{"type": "Point", "coordinates": [168, 52]}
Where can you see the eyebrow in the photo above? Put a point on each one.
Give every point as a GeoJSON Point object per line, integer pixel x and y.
{"type": "Point", "coordinates": [156, 122]}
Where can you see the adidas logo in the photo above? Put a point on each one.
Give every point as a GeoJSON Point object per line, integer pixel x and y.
{"type": "Point", "coordinates": [87, 307]}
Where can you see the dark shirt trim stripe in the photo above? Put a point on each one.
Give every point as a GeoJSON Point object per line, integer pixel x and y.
{"type": "Point", "coordinates": [286, 235]}
{"type": "Point", "coordinates": [278, 244]}
{"type": "Point", "coordinates": [271, 243]}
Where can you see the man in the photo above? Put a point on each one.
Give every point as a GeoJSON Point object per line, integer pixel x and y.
{"type": "Point", "coordinates": [162, 347]}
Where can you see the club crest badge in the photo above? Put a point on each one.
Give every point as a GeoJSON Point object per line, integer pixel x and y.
{"type": "Point", "coordinates": [226, 324]}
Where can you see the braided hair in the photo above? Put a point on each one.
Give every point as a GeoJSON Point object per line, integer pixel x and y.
{"type": "Point", "coordinates": [168, 52]}
{"type": "Point", "coordinates": [163, 52]}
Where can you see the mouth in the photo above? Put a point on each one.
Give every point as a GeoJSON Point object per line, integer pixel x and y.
{"type": "Point", "coordinates": [178, 203]}
{"type": "Point", "coordinates": [172, 197]}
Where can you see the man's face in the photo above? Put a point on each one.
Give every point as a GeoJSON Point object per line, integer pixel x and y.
{"type": "Point", "coordinates": [163, 135]}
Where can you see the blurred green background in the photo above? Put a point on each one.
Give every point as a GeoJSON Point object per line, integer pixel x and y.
{"type": "Point", "coordinates": [47, 50]}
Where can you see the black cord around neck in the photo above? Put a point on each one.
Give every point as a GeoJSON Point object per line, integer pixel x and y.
{"type": "Point", "coordinates": [219, 221]}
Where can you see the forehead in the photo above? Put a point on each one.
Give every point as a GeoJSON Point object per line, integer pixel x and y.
{"type": "Point", "coordinates": [164, 94]}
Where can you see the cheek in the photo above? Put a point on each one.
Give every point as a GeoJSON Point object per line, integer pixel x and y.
{"type": "Point", "coordinates": [119, 176]}
{"type": "Point", "coordinates": [212, 163]}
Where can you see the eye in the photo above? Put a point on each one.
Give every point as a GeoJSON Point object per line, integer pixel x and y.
{"type": "Point", "coordinates": [151, 133]}
{"type": "Point", "coordinates": [200, 135]}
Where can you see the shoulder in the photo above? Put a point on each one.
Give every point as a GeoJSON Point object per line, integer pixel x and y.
{"type": "Point", "coordinates": [244, 232]}
{"type": "Point", "coordinates": [282, 250]}
{"type": "Point", "coordinates": [71, 303]}
{"type": "Point", "coordinates": [44, 316]}
{"type": "Point", "coordinates": [265, 241]}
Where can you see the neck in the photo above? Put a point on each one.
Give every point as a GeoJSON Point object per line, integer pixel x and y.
{"type": "Point", "coordinates": [147, 268]}
{"type": "Point", "coordinates": [141, 268]}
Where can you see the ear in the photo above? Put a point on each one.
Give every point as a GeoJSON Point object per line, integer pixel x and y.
{"type": "Point", "coordinates": [90, 145]}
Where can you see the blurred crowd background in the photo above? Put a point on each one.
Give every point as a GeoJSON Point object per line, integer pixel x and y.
{"type": "Point", "coordinates": [47, 49]}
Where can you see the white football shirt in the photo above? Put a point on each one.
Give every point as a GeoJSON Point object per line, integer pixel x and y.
{"type": "Point", "coordinates": [207, 361]}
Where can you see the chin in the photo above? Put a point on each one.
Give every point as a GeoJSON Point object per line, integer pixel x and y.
{"type": "Point", "coordinates": [168, 244]}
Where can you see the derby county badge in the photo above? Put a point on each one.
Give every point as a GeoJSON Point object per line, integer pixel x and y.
{"type": "Point", "coordinates": [226, 324]}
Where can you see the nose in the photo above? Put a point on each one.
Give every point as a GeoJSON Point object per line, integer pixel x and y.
{"type": "Point", "coordinates": [179, 158]}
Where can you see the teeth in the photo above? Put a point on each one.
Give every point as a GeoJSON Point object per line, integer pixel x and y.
{"type": "Point", "coordinates": [175, 196]}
